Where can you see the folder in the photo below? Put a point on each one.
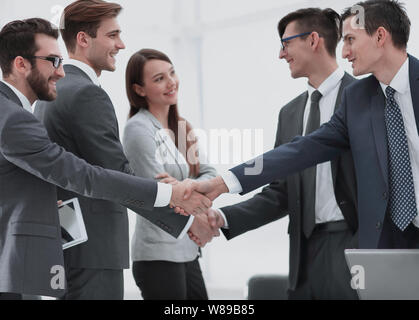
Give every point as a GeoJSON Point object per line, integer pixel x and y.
{"type": "Point", "coordinates": [73, 229]}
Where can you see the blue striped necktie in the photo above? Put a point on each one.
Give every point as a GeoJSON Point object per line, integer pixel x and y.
{"type": "Point", "coordinates": [402, 202]}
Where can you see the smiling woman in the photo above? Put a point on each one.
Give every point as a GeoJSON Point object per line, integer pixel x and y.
{"type": "Point", "coordinates": [156, 142]}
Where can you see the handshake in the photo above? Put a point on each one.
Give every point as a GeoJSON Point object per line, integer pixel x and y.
{"type": "Point", "coordinates": [191, 197]}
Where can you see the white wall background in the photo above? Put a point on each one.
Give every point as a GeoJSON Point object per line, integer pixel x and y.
{"type": "Point", "coordinates": [226, 55]}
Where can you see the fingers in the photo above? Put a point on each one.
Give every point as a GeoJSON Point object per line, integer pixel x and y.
{"type": "Point", "coordinates": [190, 187]}
{"type": "Point", "coordinates": [195, 239]}
{"type": "Point", "coordinates": [162, 175]}
{"type": "Point", "coordinates": [207, 203]}
{"type": "Point", "coordinates": [180, 211]}
{"type": "Point", "coordinates": [212, 220]}
{"type": "Point", "coordinates": [59, 202]}
{"type": "Point", "coordinates": [169, 180]}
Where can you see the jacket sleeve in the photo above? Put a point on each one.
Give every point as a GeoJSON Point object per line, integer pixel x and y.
{"type": "Point", "coordinates": [25, 143]}
{"type": "Point", "coordinates": [322, 145]}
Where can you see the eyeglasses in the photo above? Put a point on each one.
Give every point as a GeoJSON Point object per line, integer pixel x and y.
{"type": "Point", "coordinates": [56, 61]}
{"type": "Point", "coordinates": [284, 42]}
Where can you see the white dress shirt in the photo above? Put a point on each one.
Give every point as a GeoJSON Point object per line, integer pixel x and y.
{"type": "Point", "coordinates": [403, 96]}
{"type": "Point", "coordinates": [23, 100]}
{"type": "Point", "coordinates": [326, 207]}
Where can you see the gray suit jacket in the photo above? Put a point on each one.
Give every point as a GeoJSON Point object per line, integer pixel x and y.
{"type": "Point", "coordinates": [285, 197]}
{"type": "Point", "coordinates": [145, 147]}
{"type": "Point", "coordinates": [30, 168]}
{"type": "Point", "coordinates": [82, 120]}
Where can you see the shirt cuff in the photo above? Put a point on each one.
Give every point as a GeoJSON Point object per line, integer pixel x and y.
{"type": "Point", "coordinates": [232, 183]}
{"type": "Point", "coordinates": [164, 194]}
{"type": "Point", "coordinates": [187, 227]}
{"type": "Point", "coordinates": [225, 219]}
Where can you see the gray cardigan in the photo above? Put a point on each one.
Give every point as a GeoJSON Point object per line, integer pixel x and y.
{"type": "Point", "coordinates": [150, 151]}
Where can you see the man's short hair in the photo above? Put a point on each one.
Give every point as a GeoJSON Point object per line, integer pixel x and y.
{"type": "Point", "coordinates": [384, 13]}
{"type": "Point", "coordinates": [327, 23]}
{"type": "Point", "coordinates": [86, 16]}
{"type": "Point", "coordinates": [17, 38]}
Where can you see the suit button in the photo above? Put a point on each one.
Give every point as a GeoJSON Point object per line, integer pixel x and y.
{"type": "Point", "coordinates": [342, 203]}
{"type": "Point", "coordinates": [298, 203]}
{"type": "Point", "coordinates": [378, 225]}
{"type": "Point", "coordinates": [385, 195]}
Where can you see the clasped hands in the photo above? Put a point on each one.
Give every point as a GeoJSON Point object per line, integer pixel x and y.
{"type": "Point", "coordinates": [190, 197]}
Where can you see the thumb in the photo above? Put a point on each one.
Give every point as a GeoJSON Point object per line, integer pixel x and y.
{"type": "Point", "coordinates": [190, 187]}
{"type": "Point", "coordinates": [212, 219]}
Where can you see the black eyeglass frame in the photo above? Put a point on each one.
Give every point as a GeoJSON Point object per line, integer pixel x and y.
{"type": "Point", "coordinates": [56, 61]}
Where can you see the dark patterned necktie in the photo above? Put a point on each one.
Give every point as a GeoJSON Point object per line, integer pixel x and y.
{"type": "Point", "coordinates": [309, 175]}
{"type": "Point", "coordinates": [402, 202]}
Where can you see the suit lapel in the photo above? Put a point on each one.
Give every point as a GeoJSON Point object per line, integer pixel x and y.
{"type": "Point", "coordinates": [414, 86]}
{"type": "Point", "coordinates": [170, 147]}
{"type": "Point", "coordinates": [346, 80]}
{"type": "Point", "coordinates": [379, 129]}
{"type": "Point", "coordinates": [297, 117]}
{"type": "Point", "coordinates": [9, 94]}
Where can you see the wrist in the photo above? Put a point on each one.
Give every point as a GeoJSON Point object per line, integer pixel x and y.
{"type": "Point", "coordinates": [220, 185]}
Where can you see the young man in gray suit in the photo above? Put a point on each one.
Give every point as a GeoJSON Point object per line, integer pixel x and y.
{"type": "Point", "coordinates": [31, 166]}
{"type": "Point", "coordinates": [320, 201]}
{"type": "Point", "coordinates": [82, 120]}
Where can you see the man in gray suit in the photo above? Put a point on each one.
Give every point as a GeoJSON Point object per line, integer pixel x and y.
{"type": "Point", "coordinates": [31, 166]}
{"type": "Point", "coordinates": [82, 120]}
{"type": "Point", "coordinates": [320, 201]}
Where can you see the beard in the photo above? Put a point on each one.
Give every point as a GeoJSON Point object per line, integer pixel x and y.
{"type": "Point", "coordinates": [39, 85]}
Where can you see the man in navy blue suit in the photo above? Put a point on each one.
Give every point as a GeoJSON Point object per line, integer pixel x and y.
{"type": "Point", "coordinates": [378, 120]}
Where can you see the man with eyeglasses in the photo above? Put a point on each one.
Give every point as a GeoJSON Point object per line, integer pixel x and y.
{"type": "Point", "coordinates": [320, 201]}
{"type": "Point", "coordinates": [31, 167]}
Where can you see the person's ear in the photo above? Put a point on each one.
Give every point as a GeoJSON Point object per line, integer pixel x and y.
{"type": "Point", "coordinates": [138, 90]}
{"type": "Point", "coordinates": [314, 40]}
{"type": "Point", "coordinates": [381, 36]}
{"type": "Point", "coordinates": [22, 65]}
{"type": "Point", "coordinates": [83, 39]}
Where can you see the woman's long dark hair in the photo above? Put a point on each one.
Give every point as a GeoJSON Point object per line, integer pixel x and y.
{"type": "Point", "coordinates": [135, 75]}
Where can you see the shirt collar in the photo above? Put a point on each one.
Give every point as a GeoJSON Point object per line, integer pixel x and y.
{"type": "Point", "coordinates": [23, 100]}
{"type": "Point", "coordinates": [86, 69]}
{"type": "Point", "coordinates": [400, 82]}
{"type": "Point", "coordinates": [329, 84]}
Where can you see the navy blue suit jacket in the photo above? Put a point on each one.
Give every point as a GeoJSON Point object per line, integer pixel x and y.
{"type": "Point", "coordinates": [358, 124]}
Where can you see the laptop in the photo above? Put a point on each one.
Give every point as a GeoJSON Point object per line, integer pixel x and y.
{"type": "Point", "coordinates": [384, 274]}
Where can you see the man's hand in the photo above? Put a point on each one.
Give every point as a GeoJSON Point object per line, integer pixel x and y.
{"type": "Point", "coordinates": [211, 188]}
{"type": "Point", "coordinates": [201, 232]}
{"type": "Point", "coordinates": [167, 178]}
{"type": "Point", "coordinates": [194, 204]}
{"type": "Point", "coordinates": [215, 221]}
